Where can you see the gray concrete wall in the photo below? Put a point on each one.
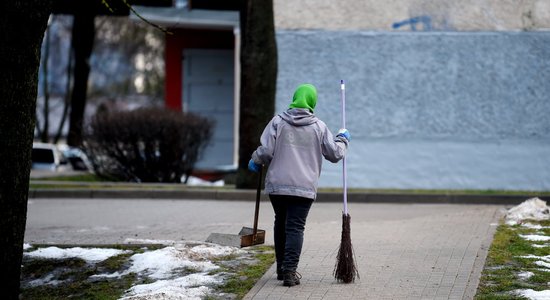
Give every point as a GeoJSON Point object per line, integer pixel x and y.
{"type": "Point", "coordinates": [430, 110]}
{"type": "Point", "coordinates": [456, 85]}
{"type": "Point", "coordinates": [456, 15]}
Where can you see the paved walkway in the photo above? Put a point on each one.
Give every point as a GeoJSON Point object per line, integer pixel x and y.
{"type": "Point", "coordinates": [403, 251]}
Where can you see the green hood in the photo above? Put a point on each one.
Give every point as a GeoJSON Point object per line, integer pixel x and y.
{"type": "Point", "coordinates": [305, 96]}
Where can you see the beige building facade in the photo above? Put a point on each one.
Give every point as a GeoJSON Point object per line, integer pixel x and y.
{"type": "Point", "coordinates": [390, 15]}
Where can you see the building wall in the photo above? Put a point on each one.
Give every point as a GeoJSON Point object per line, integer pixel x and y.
{"type": "Point", "coordinates": [463, 105]}
{"type": "Point", "coordinates": [425, 85]}
{"type": "Point", "coordinates": [462, 15]}
{"type": "Point", "coordinates": [188, 39]}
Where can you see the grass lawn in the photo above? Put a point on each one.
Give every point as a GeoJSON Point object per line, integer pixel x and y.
{"type": "Point", "coordinates": [47, 278]}
{"type": "Point", "coordinates": [511, 263]}
{"type": "Point", "coordinates": [244, 278]}
{"type": "Point", "coordinates": [91, 181]}
{"type": "Point", "coordinates": [84, 177]}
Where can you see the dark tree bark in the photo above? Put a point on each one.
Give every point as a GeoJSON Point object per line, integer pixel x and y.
{"type": "Point", "coordinates": [66, 99]}
{"type": "Point", "coordinates": [82, 41]}
{"type": "Point", "coordinates": [258, 81]}
{"type": "Point", "coordinates": [45, 132]}
{"type": "Point", "coordinates": [22, 26]}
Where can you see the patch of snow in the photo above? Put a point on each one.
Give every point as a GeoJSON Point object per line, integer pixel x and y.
{"type": "Point", "coordinates": [27, 246]}
{"type": "Point", "coordinates": [112, 275]}
{"type": "Point", "coordinates": [48, 280]}
{"type": "Point", "coordinates": [195, 181]}
{"type": "Point", "coordinates": [531, 226]}
{"type": "Point", "coordinates": [542, 264]}
{"type": "Point", "coordinates": [535, 237]}
{"type": "Point", "coordinates": [161, 263]}
{"type": "Point", "coordinates": [525, 275]}
{"type": "Point", "coordinates": [539, 246]}
{"type": "Point", "coordinates": [194, 286]}
{"type": "Point", "coordinates": [531, 209]}
{"type": "Point", "coordinates": [89, 255]}
{"type": "Point", "coordinates": [534, 295]}
{"type": "Point", "coordinates": [543, 261]}
{"type": "Point", "coordinates": [545, 258]}
{"type": "Point", "coordinates": [213, 250]}
{"type": "Point", "coordinates": [151, 242]}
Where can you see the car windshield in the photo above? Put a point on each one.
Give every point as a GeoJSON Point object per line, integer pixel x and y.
{"type": "Point", "coordinates": [42, 156]}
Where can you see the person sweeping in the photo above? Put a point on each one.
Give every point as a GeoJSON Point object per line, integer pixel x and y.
{"type": "Point", "coordinates": [293, 144]}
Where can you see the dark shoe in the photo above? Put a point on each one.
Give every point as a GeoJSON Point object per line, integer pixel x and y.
{"type": "Point", "coordinates": [291, 278]}
{"type": "Point", "coordinates": [279, 274]}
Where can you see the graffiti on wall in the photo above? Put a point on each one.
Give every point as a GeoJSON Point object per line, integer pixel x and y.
{"type": "Point", "coordinates": [424, 21]}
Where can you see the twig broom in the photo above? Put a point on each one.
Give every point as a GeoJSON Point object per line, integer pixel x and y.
{"type": "Point", "coordinates": [345, 269]}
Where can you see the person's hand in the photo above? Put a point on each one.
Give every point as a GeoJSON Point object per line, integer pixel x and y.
{"type": "Point", "coordinates": [254, 167]}
{"type": "Point", "coordinates": [344, 133]}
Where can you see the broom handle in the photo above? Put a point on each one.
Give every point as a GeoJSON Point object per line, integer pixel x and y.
{"type": "Point", "coordinates": [344, 173]}
{"type": "Point", "coordinates": [257, 208]}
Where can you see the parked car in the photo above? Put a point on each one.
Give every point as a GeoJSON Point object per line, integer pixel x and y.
{"type": "Point", "coordinates": [47, 157]}
{"type": "Point", "coordinates": [76, 157]}
{"type": "Point", "coordinates": [59, 158]}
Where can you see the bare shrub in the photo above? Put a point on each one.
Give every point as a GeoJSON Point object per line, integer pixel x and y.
{"type": "Point", "coordinates": [146, 144]}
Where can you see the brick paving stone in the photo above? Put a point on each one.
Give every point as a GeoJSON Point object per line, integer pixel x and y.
{"type": "Point", "coordinates": [411, 251]}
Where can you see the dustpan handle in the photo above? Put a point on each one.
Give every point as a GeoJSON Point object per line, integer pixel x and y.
{"type": "Point", "coordinates": [257, 210]}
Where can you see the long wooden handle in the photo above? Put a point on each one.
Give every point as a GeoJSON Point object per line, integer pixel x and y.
{"type": "Point", "coordinates": [257, 210]}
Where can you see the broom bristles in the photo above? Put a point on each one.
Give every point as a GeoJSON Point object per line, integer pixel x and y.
{"type": "Point", "coordinates": [345, 269]}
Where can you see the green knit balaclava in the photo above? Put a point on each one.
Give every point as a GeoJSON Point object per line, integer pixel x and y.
{"type": "Point", "coordinates": [305, 96]}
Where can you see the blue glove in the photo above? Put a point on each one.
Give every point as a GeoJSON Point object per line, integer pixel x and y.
{"type": "Point", "coordinates": [254, 167]}
{"type": "Point", "coordinates": [344, 133]}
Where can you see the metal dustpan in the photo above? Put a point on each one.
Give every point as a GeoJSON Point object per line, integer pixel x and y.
{"type": "Point", "coordinates": [247, 236]}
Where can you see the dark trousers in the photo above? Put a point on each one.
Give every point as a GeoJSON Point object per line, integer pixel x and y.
{"type": "Point", "coordinates": [290, 220]}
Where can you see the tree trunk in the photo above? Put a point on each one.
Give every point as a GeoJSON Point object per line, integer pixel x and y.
{"type": "Point", "coordinates": [45, 132]}
{"type": "Point", "coordinates": [258, 81]}
{"type": "Point", "coordinates": [66, 98]}
{"type": "Point", "coordinates": [83, 35]}
{"type": "Point", "coordinates": [23, 24]}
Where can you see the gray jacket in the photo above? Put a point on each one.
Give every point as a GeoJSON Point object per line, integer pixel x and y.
{"type": "Point", "coordinates": [294, 144]}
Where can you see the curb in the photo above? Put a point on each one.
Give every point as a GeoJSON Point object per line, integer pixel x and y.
{"type": "Point", "coordinates": [428, 198]}
{"type": "Point", "coordinates": [243, 195]}
{"type": "Point", "coordinates": [250, 195]}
